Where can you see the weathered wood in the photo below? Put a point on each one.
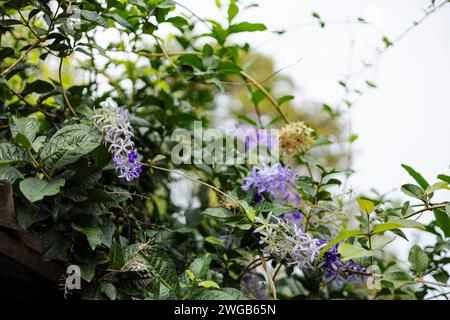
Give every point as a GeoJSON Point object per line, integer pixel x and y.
{"type": "Point", "coordinates": [20, 245]}
{"type": "Point", "coordinates": [26, 256]}
{"type": "Point", "coordinates": [6, 202]}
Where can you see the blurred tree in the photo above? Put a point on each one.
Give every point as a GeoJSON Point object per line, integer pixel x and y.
{"type": "Point", "coordinates": [313, 113]}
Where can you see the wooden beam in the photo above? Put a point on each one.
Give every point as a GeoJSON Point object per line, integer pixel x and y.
{"type": "Point", "coordinates": [20, 245]}
{"type": "Point", "coordinates": [6, 202]}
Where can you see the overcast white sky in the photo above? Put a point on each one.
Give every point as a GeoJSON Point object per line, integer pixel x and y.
{"type": "Point", "coordinates": [406, 119]}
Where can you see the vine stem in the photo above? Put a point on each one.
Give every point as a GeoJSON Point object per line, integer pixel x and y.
{"type": "Point", "coordinates": [66, 99]}
{"type": "Point", "coordinates": [37, 165]}
{"type": "Point", "coordinates": [18, 95]}
{"type": "Point", "coordinates": [20, 58]}
{"type": "Point", "coordinates": [266, 93]}
{"type": "Point", "coordinates": [269, 277]}
{"type": "Point", "coordinates": [190, 178]}
{"type": "Point", "coordinates": [165, 52]}
{"type": "Point", "coordinates": [438, 206]}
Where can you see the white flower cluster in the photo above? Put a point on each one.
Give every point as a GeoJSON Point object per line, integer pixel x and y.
{"type": "Point", "coordinates": [286, 241]}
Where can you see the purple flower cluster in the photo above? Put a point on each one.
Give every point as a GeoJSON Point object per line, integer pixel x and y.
{"type": "Point", "coordinates": [341, 271]}
{"type": "Point", "coordinates": [112, 121]}
{"type": "Point", "coordinates": [277, 180]}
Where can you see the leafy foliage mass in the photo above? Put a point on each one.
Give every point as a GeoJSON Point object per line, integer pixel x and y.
{"type": "Point", "coordinates": [133, 239]}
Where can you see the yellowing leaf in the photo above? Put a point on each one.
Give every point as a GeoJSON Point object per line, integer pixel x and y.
{"type": "Point", "coordinates": [365, 205]}
{"type": "Point", "coordinates": [208, 284]}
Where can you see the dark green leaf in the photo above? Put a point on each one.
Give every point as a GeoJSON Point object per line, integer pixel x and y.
{"type": "Point", "coordinates": [11, 153]}
{"type": "Point", "coordinates": [24, 131]}
{"type": "Point", "coordinates": [417, 176]}
{"type": "Point", "coordinates": [35, 189]}
{"type": "Point", "coordinates": [9, 173]}
{"type": "Point", "coordinates": [68, 145]}
{"type": "Point", "coordinates": [38, 86]}
{"type": "Point", "coordinates": [418, 259]}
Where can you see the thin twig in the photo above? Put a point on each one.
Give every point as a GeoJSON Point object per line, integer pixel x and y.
{"type": "Point", "coordinates": [190, 178]}
{"type": "Point", "coordinates": [266, 93]}
{"type": "Point", "coordinates": [7, 70]}
{"type": "Point", "coordinates": [438, 206]}
{"type": "Point", "coordinates": [269, 278]}
{"type": "Point", "coordinates": [66, 99]}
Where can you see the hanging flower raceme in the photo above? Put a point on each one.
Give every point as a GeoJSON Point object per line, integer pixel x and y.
{"type": "Point", "coordinates": [296, 137]}
{"type": "Point", "coordinates": [277, 180]}
{"type": "Point", "coordinates": [112, 121]}
{"type": "Point", "coordinates": [286, 241]}
{"type": "Point", "coordinates": [341, 271]}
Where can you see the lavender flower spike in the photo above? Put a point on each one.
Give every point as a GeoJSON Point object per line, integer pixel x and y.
{"type": "Point", "coordinates": [112, 121]}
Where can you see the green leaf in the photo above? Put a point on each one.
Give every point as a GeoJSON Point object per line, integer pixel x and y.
{"type": "Point", "coordinates": [24, 131]}
{"type": "Point", "coordinates": [108, 229]}
{"type": "Point", "coordinates": [213, 294]}
{"type": "Point", "coordinates": [397, 224]}
{"type": "Point", "coordinates": [350, 251]}
{"type": "Point", "coordinates": [365, 205]}
{"type": "Point", "coordinates": [379, 241]}
{"type": "Point", "coordinates": [38, 86]}
{"type": "Point", "coordinates": [192, 60]}
{"type": "Point", "coordinates": [9, 22]}
{"type": "Point", "coordinates": [38, 143]}
{"type": "Point", "coordinates": [437, 186]}
{"type": "Point", "coordinates": [6, 52]}
{"type": "Point", "coordinates": [93, 234]}
{"type": "Point", "coordinates": [35, 189]}
{"type": "Point", "coordinates": [413, 191]}
{"type": "Point", "coordinates": [11, 153]}
{"type": "Point", "coordinates": [344, 234]}
{"type": "Point", "coordinates": [9, 173]}
{"type": "Point", "coordinates": [54, 245]}
{"type": "Point", "coordinates": [116, 256]}
{"type": "Point", "coordinates": [109, 290]}
{"type": "Point", "coordinates": [208, 284]}
{"type": "Point", "coordinates": [417, 176]}
{"type": "Point", "coordinates": [246, 27]}
{"type": "Point", "coordinates": [26, 216]}
{"type": "Point", "coordinates": [87, 270]}
{"type": "Point", "coordinates": [444, 177]}
{"type": "Point", "coordinates": [419, 260]}
{"type": "Point", "coordinates": [443, 221]}
{"type": "Point", "coordinates": [92, 16]}
{"type": "Point", "coordinates": [244, 118]}
{"type": "Point", "coordinates": [159, 264]}
{"type": "Point", "coordinates": [370, 84]}
{"type": "Point", "coordinates": [233, 10]}
{"type": "Point", "coordinates": [285, 99]}
{"type": "Point", "coordinates": [68, 145]}
{"type": "Point", "coordinates": [219, 213]}
{"type": "Point", "coordinates": [117, 18]}
{"type": "Point", "coordinates": [225, 68]}
{"type": "Point", "coordinates": [200, 266]}
{"type": "Point", "coordinates": [178, 21]}
{"type": "Point", "coordinates": [219, 33]}
{"type": "Point", "coordinates": [398, 278]}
